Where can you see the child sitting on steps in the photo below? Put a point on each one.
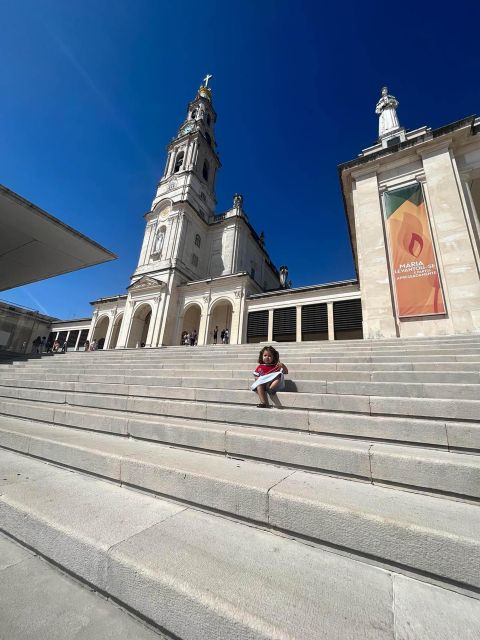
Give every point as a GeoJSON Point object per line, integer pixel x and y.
{"type": "Point", "coordinates": [269, 375]}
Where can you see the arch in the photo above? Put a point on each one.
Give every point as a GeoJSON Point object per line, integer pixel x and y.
{"type": "Point", "coordinates": [178, 162]}
{"type": "Point", "coordinates": [139, 326]}
{"type": "Point", "coordinates": [205, 170]}
{"type": "Point", "coordinates": [100, 331]}
{"type": "Point", "coordinates": [117, 323]}
{"type": "Point", "coordinates": [192, 314]}
{"type": "Point", "coordinates": [221, 313]}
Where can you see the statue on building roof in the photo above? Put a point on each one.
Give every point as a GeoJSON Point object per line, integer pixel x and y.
{"type": "Point", "coordinates": [237, 201]}
{"type": "Point", "coordinates": [386, 109]}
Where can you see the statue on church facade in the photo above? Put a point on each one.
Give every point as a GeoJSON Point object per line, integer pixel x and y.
{"type": "Point", "coordinates": [386, 109]}
{"type": "Point", "coordinates": [158, 244]}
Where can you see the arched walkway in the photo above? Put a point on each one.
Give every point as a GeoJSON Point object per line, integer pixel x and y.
{"type": "Point", "coordinates": [191, 319]}
{"type": "Point", "coordinates": [100, 331]}
{"type": "Point", "coordinates": [221, 317]}
{"type": "Point", "coordinates": [139, 326]}
{"type": "Point", "coordinates": [115, 331]}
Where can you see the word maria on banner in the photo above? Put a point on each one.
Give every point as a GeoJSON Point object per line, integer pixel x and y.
{"type": "Point", "coordinates": [413, 264]}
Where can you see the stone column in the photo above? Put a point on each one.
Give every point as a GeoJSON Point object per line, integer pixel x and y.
{"type": "Point", "coordinates": [203, 327]}
{"type": "Point", "coordinates": [455, 253]}
{"type": "Point", "coordinates": [108, 335]}
{"type": "Point", "coordinates": [270, 326]}
{"type": "Point", "coordinates": [299, 323]}
{"type": "Point", "coordinates": [331, 322]}
{"type": "Point", "coordinates": [474, 216]}
{"type": "Point", "coordinates": [149, 340]}
{"type": "Point", "coordinates": [170, 163]}
{"type": "Point", "coordinates": [379, 313]}
{"type": "Point", "coordinates": [126, 322]}
{"type": "Point", "coordinates": [92, 325]}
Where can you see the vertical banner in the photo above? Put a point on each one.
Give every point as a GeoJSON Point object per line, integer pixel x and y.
{"type": "Point", "coordinates": [412, 259]}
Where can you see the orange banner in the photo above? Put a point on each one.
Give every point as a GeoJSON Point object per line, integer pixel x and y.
{"type": "Point", "coordinates": [413, 264]}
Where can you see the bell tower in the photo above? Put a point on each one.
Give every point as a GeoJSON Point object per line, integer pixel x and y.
{"type": "Point", "coordinates": [192, 160]}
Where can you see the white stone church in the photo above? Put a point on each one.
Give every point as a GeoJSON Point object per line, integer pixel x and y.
{"type": "Point", "coordinates": [413, 191]}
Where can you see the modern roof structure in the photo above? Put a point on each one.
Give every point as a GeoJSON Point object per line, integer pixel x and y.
{"type": "Point", "coordinates": [34, 245]}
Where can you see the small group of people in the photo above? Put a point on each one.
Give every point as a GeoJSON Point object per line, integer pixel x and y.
{"type": "Point", "coordinates": [90, 346]}
{"type": "Point", "coordinates": [41, 345]}
{"type": "Point", "coordinates": [224, 335]}
{"type": "Point", "coordinates": [190, 338]}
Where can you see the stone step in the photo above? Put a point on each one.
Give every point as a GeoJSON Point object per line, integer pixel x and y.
{"type": "Point", "coordinates": [304, 368]}
{"type": "Point", "coordinates": [39, 601]}
{"type": "Point", "coordinates": [421, 533]}
{"type": "Point", "coordinates": [154, 376]}
{"type": "Point", "coordinates": [361, 397]}
{"type": "Point", "coordinates": [173, 565]}
{"type": "Point", "coordinates": [248, 360]}
{"type": "Point", "coordinates": [207, 433]}
{"type": "Point", "coordinates": [187, 429]}
{"type": "Point", "coordinates": [214, 404]}
{"type": "Point", "coordinates": [163, 387]}
{"type": "Point", "coordinates": [419, 468]}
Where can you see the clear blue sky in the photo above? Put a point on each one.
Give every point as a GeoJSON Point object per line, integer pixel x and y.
{"type": "Point", "coordinates": [91, 93]}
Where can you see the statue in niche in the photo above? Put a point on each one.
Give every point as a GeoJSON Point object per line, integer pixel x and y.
{"type": "Point", "coordinates": [237, 201]}
{"type": "Point", "coordinates": [158, 244]}
{"type": "Point", "coordinates": [386, 109]}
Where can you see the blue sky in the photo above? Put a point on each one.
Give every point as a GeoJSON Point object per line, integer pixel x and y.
{"type": "Point", "coordinates": [92, 92]}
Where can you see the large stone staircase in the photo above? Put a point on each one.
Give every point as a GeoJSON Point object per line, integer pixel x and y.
{"type": "Point", "coordinates": [350, 509]}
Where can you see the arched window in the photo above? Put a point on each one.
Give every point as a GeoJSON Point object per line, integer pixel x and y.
{"type": "Point", "coordinates": [205, 170]}
{"type": "Point", "coordinates": [198, 240]}
{"type": "Point", "coordinates": [209, 139]}
{"type": "Point", "coordinates": [208, 119]}
{"type": "Point", "coordinates": [178, 162]}
{"type": "Point", "coordinates": [193, 114]}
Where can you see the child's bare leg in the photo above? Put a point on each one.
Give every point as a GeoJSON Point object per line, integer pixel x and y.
{"type": "Point", "coordinates": [261, 393]}
{"type": "Point", "coordinates": [274, 385]}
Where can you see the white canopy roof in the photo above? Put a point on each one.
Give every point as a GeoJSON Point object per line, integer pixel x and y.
{"type": "Point", "coordinates": [34, 245]}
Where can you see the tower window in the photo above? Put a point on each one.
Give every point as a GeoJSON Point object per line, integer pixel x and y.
{"type": "Point", "coordinates": [208, 119]}
{"type": "Point", "coordinates": [198, 240]}
{"type": "Point", "coordinates": [205, 170]}
{"type": "Point", "coordinates": [178, 162]}
{"type": "Point", "coordinates": [194, 260]}
{"type": "Point", "coordinates": [209, 139]}
{"type": "Point", "coordinates": [193, 114]}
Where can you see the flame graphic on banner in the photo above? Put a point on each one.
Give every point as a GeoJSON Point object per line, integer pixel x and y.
{"type": "Point", "coordinates": [415, 239]}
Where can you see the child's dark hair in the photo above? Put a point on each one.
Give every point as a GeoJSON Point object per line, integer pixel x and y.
{"type": "Point", "coordinates": [273, 351]}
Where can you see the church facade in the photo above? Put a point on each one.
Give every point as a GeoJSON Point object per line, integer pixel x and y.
{"type": "Point", "coordinates": [412, 203]}
{"type": "Point", "coordinates": [195, 268]}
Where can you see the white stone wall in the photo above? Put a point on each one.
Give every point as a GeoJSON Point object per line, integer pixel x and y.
{"type": "Point", "coordinates": [447, 166]}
